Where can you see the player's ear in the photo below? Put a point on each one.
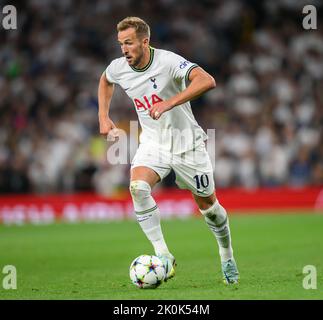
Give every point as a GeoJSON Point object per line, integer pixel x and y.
{"type": "Point", "coordinates": [145, 41]}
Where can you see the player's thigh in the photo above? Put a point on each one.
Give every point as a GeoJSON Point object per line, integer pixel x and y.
{"type": "Point", "coordinates": [145, 174]}
{"type": "Point", "coordinates": [146, 166]}
{"type": "Point", "coordinates": [195, 173]}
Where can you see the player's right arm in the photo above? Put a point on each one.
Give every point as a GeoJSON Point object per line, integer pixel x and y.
{"type": "Point", "coordinates": [105, 92]}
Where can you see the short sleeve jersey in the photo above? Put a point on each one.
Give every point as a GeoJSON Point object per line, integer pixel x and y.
{"type": "Point", "coordinates": [164, 76]}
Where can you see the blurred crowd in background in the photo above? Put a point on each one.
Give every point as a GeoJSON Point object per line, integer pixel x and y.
{"type": "Point", "coordinates": [267, 108]}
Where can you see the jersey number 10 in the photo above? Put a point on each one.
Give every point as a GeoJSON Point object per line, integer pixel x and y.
{"type": "Point", "coordinates": [201, 180]}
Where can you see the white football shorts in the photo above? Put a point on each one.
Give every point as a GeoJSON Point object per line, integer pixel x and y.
{"type": "Point", "coordinates": [193, 169]}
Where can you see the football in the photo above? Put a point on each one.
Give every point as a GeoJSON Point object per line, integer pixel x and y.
{"type": "Point", "coordinates": [147, 272]}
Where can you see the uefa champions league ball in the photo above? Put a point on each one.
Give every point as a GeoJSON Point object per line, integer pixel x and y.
{"type": "Point", "coordinates": [147, 272]}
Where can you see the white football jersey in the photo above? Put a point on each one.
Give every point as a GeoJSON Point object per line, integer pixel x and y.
{"type": "Point", "coordinates": [163, 77]}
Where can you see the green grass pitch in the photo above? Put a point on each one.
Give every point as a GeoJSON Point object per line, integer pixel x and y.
{"type": "Point", "coordinates": [91, 260]}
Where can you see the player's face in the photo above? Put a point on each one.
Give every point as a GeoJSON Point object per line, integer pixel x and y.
{"type": "Point", "coordinates": [131, 46]}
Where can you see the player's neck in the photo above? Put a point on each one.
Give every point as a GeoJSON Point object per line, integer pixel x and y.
{"type": "Point", "coordinates": [145, 59]}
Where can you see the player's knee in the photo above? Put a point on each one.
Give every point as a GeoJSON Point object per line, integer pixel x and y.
{"type": "Point", "coordinates": [205, 203]}
{"type": "Point", "coordinates": [139, 190]}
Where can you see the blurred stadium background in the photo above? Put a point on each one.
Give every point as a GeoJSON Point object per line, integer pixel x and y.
{"type": "Point", "coordinates": [267, 108]}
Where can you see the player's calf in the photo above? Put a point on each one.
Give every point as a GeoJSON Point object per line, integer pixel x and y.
{"type": "Point", "coordinates": [217, 220]}
{"type": "Point", "coordinates": [147, 214]}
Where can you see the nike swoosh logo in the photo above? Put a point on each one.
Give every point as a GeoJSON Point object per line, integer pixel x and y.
{"type": "Point", "coordinates": [126, 89]}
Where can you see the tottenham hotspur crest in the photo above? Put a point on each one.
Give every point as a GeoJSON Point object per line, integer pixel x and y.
{"type": "Point", "coordinates": [153, 80]}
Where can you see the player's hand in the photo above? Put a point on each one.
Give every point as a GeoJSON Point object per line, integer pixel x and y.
{"type": "Point", "coordinates": [108, 128]}
{"type": "Point", "coordinates": [159, 108]}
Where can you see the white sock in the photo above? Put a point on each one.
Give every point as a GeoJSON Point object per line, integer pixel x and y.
{"type": "Point", "coordinates": [147, 214]}
{"type": "Point", "coordinates": [217, 219]}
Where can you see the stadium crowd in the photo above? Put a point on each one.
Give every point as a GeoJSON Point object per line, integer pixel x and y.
{"type": "Point", "coordinates": [267, 108]}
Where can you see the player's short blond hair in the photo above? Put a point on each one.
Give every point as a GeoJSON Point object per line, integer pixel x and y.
{"type": "Point", "coordinates": [141, 27]}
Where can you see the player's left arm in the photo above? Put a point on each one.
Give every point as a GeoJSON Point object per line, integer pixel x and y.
{"type": "Point", "coordinates": [200, 82]}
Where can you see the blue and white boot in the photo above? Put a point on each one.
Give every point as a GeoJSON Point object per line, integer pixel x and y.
{"type": "Point", "coordinates": [169, 263]}
{"type": "Point", "coordinates": [230, 272]}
